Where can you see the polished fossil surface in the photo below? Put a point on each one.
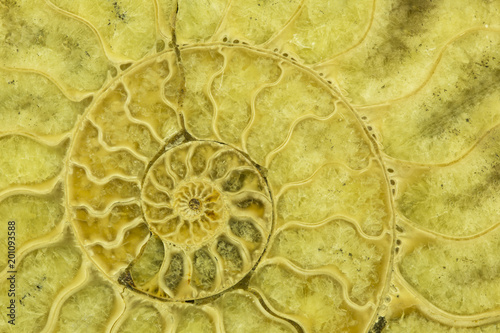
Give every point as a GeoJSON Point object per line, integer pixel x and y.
{"type": "Point", "coordinates": [248, 166]}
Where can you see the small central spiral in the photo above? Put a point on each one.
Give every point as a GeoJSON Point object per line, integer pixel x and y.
{"type": "Point", "coordinates": [199, 207]}
{"type": "Point", "coordinates": [197, 200]}
{"type": "Point", "coordinates": [209, 212]}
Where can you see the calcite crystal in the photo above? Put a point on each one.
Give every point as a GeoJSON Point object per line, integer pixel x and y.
{"type": "Point", "coordinates": [253, 166]}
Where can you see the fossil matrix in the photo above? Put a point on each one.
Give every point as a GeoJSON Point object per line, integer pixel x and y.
{"type": "Point", "coordinates": [248, 166]}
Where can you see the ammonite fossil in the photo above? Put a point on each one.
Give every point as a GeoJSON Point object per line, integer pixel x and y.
{"type": "Point", "coordinates": [249, 166]}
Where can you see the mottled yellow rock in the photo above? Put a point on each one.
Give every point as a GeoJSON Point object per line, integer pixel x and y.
{"type": "Point", "coordinates": [249, 166]}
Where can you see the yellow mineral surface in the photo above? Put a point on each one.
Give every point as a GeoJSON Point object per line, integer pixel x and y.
{"type": "Point", "coordinates": [249, 166]}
